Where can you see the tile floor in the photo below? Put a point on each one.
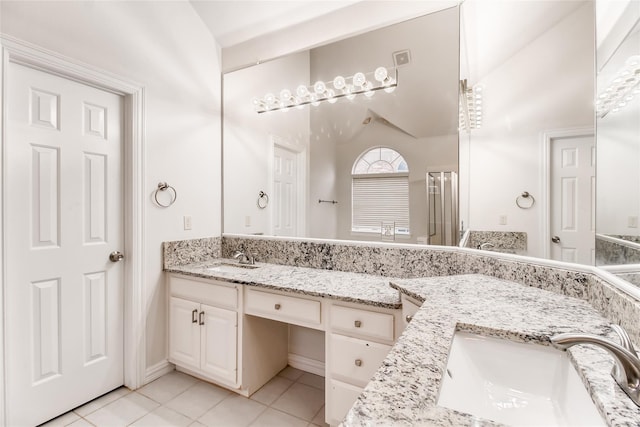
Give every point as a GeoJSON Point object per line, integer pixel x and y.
{"type": "Point", "coordinates": [293, 398]}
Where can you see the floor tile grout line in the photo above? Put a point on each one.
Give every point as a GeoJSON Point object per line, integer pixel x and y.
{"type": "Point", "coordinates": [230, 394]}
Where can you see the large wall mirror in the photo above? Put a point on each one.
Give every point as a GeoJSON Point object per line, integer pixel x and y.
{"type": "Point", "coordinates": [355, 168]}
{"type": "Point", "coordinates": [618, 120]}
{"type": "Point", "coordinates": [535, 64]}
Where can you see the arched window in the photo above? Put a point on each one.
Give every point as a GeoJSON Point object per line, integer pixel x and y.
{"type": "Point", "coordinates": [380, 193]}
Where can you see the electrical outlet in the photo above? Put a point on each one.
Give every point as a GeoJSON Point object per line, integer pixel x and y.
{"type": "Point", "coordinates": [247, 221]}
{"type": "Point", "coordinates": [187, 222]}
{"type": "Point", "coordinates": [632, 222]}
{"type": "Point", "coordinates": [502, 220]}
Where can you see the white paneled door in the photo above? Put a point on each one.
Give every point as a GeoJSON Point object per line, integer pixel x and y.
{"type": "Point", "coordinates": [285, 192]}
{"type": "Point", "coordinates": [64, 216]}
{"type": "Point", "coordinates": [573, 199]}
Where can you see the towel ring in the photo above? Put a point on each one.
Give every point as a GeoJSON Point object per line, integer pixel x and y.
{"type": "Point", "coordinates": [163, 186]}
{"type": "Point", "coordinates": [263, 200]}
{"type": "Point", "coordinates": [525, 200]}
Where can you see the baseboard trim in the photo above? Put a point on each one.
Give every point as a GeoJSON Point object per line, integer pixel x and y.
{"type": "Point", "coordinates": [306, 364]}
{"type": "Point", "coordinates": [156, 371]}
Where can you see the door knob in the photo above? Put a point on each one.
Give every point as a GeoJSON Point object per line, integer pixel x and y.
{"type": "Point", "coordinates": [116, 256]}
{"type": "Point", "coordinates": [555, 239]}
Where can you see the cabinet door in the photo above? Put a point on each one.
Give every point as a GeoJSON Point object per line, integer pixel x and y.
{"type": "Point", "coordinates": [184, 333]}
{"type": "Point", "coordinates": [218, 350]}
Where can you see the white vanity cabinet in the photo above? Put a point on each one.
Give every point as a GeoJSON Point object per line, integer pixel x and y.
{"type": "Point", "coordinates": [203, 328]}
{"type": "Point", "coordinates": [357, 341]}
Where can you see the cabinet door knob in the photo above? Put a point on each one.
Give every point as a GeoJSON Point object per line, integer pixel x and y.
{"type": "Point", "coordinates": [194, 315]}
{"type": "Point", "coordinates": [202, 317]}
{"type": "Point", "coordinates": [357, 323]}
{"type": "Point", "coordinates": [358, 362]}
{"type": "Point", "coordinates": [409, 317]}
{"type": "Point", "coordinates": [277, 306]}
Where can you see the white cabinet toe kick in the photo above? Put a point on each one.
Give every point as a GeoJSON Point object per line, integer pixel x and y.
{"type": "Point", "coordinates": [237, 336]}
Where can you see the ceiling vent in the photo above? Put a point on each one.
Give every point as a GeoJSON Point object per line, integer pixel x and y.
{"type": "Point", "coordinates": [401, 57]}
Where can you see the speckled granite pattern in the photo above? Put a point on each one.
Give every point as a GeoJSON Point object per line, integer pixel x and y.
{"type": "Point", "coordinates": [350, 287]}
{"type": "Point", "coordinates": [381, 260]}
{"type": "Point", "coordinates": [182, 252]}
{"type": "Point", "coordinates": [386, 260]}
{"type": "Point", "coordinates": [404, 390]}
{"type": "Point", "coordinates": [611, 253]}
{"type": "Point", "coordinates": [502, 241]}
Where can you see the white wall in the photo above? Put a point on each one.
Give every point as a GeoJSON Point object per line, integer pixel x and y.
{"type": "Point", "coordinates": [165, 47]}
{"type": "Point", "coordinates": [248, 149]}
{"type": "Point", "coordinates": [547, 85]}
{"type": "Point", "coordinates": [351, 20]}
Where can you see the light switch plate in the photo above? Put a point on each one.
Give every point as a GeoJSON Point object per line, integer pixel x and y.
{"type": "Point", "coordinates": [502, 220]}
{"type": "Point", "coordinates": [187, 222]}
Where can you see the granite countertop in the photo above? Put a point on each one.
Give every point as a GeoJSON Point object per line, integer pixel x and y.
{"type": "Point", "coordinates": [404, 390]}
{"type": "Point", "coordinates": [350, 287]}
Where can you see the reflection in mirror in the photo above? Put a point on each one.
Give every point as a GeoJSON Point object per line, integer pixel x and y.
{"type": "Point", "coordinates": [618, 119]}
{"type": "Point", "coordinates": [307, 158]}
{"type": "Point", "coordinates": [534, 61]}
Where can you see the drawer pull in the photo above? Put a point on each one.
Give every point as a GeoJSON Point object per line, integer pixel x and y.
{"type": "Point", "coordinates": [202, 318]}
{"type": "Point", "coordinates": [358, 362]}
{"type": "Point", "coordinates": [409, 317]}
{"type": "Point", "coordinates": [277, 306]}
{"type": "Point", "coordinates": [194, 315]}
{"type": "Point", "coordinates": [357, 323]}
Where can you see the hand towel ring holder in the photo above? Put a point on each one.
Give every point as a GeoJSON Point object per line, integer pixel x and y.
{"type": "Point", "coordinates": [263, 200]}
{"type": "Point", "coordinates": [163, 186]}
{"type": "Point", "coordinates": [521, 200]}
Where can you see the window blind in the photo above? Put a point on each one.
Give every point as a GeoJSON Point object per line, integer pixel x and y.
{"type": "Point", "coordinates": [378, 199]}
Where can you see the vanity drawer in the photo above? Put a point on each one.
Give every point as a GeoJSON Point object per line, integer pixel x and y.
{"type": "Point", "coordinates": [205, 291]}
{"type": "Point", "coordinates": [365, 323]}
{"type": "Point", "coordinates": [341, 399]}
{"type": "Point", "coordinates": [354, 360]}
{"type": "Point", "coordinates": [282, 307]}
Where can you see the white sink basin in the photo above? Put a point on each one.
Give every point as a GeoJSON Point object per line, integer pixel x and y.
{"type": "Point", "coordinates": [515, 383]}
{"type": "Point", "coordinates": [229, 267]}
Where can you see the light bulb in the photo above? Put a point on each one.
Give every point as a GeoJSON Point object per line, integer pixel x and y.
{"type": "Point", "coordinates": [270, 99]}
{"type": "Point", "coordinates": [369, 93]}
{"type": "Point", "coordinates": [391, 87]}
{"type": "Point", "coordinates": [314, 99]}
{"type": "Point", "coordinates": [359, 79]}
{"type": "Point", "coordinates": [302, 91]}
{"type": "Point", "coordinates": [285, 95]}
{"type": "Point", "coordinates": [380, 74]}
{"type": "Point", "coordinates": [349, 91]}
{"type": "Point", "coordinates": [339, 82]}
{"type": "Point", "coordinates": [331, 96]}
{"type": "Point", "coordinates": [319, 87]}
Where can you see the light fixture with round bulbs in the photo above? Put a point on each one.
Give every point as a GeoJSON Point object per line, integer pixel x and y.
{"type": "Point", "coordinates": [330, 91]}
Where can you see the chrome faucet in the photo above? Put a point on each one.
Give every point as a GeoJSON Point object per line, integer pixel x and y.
{"type": "Point", "coordinates": [486, 245]}
{"type": "Point", "coordinates": [244, 257]}
{"type": "Point", "coordinates": [626, 369]}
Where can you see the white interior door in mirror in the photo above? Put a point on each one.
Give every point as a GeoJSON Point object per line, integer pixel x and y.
{"type": "Point", "coordinates": [573, 199]}
{"type": "Point", "coordinates": [285, 192]}
{"type": "Point", "coordinates": [64, 216]}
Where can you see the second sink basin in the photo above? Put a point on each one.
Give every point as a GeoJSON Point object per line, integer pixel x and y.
{"type": "Point", "coordinates": [230, 267]}
{"type": "Point", "coordinates": [515, 383]}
